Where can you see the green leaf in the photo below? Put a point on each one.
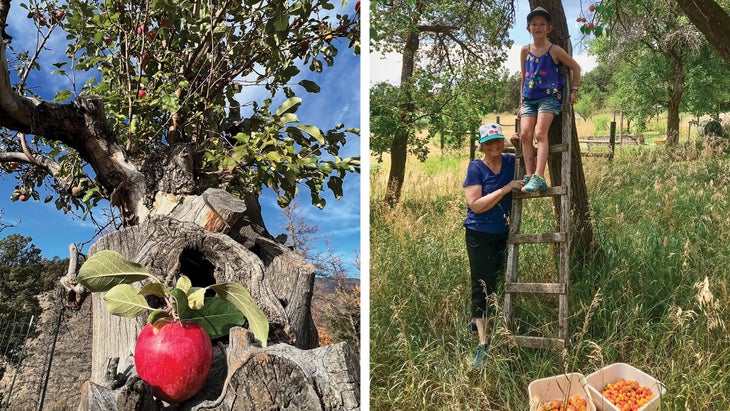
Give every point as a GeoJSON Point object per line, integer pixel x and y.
{"type": "Point", "coordinates": [90, 193]}
{"type": "Point", "coordinates": [184, 284]}
{"type": "Point", "coordinates": [312, 131]}
{"type": "Point", "coordinates": [289, 106]}
{"type": "Point", "coordinates": [238, 295]}
{"type": "Point", "coordinates": [217, 316]}
{"type": "Point", "coordinates": [157, 315]}
{"type": "Point", "coordinates": [107, 268]}
{"type": "Point", "coordinates": [196, 297]}
{"type": "Point", "coordinates": [153, 288]}
{"type": "Point", "coordinates": [62, 95]}
{"type": "Point", "coordinates": [125, 300]}
{"type": "Point", "coordinates": [281, 22]}
{"type": "Point", "coordinates": [310, 86]}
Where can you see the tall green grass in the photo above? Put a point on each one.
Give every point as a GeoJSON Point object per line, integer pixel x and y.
{"type": "Point", "coordinates": [657, 297]}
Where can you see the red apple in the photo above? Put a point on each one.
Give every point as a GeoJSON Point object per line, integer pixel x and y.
{"type": "Point", "coordinates": [141, 93]}
{"type": "Point", "coordinates": [141, 29]}
{"type": "Point", "coordinates": [357, 6]}
{"type": "Point", "coordinates": [173, 359]}
{"type": "Point", "coordinates": [107, 39]}
{"type": "Point", "coordinates": [59, 15]}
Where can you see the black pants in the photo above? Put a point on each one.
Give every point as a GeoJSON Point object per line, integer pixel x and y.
{"type": "Point", "coordinates": [487, 262]}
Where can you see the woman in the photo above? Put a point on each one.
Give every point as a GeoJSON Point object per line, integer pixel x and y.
{"type": "Point", "coordinates": [488, 187]}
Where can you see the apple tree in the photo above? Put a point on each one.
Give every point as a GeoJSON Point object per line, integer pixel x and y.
{"type": "Point", "coordinates": [439, 39]}
{"type": "Point", "coordinates": [178, 114]}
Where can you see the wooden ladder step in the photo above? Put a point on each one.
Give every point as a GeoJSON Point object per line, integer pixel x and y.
{"type": "Point", "coordinates": [548, 192]}
{"type": "Point", "coordinates": [537, 238]}
{"type": "Point", "coordinates": [555, 344]}
{"type": "Point", "coordinates": [536, 288]}
{"type": "Point", "coordinates": [556, 148]}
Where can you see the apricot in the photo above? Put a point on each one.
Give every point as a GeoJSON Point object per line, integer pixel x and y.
{"type": "Point", "coordinates": [627, 395]}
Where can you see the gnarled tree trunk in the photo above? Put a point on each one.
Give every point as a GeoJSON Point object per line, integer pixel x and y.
{"type": "Point", "coordinates": [213, 238]}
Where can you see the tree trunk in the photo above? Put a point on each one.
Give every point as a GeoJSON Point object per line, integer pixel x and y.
{"type": "Point", "coordinates": [246, 377]}
{"type": "Point", "coordinates": [213, 238]}
{"type": "Point", "coordinates": [582, 242]}
{"type": "Point", "coordinates": [399, 147]}
{"type": "Point", "coordinates": [674, 96]}
{"type": "Point", "coordinates": [712, 20]}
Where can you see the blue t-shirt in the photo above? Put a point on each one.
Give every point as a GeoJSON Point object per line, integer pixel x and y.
{"type": "Point", "coordinates": [493, 220]}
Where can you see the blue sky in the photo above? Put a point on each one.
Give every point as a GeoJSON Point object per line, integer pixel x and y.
{"type": "Point", "coordinates": [338, 102]}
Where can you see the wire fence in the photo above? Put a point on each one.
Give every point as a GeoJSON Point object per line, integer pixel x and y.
{"type": "Point", "coordinates": [13, 340]}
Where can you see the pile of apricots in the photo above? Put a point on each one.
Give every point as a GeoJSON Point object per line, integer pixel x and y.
{"type": "Point", "coordinates": [627, 395]}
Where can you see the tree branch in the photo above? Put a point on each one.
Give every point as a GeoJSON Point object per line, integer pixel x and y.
{"type": "Point", "coordinates": [80, 125]}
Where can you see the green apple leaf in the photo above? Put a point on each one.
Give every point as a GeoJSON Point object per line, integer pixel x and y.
{"type": "Point", "coordinates": [310, 86]}
{"type": "Point", "coordinates": [125, 300]}
{"type": "Point", "coordinates": [217, 317]}
{"type": "Point", "coordinates": [153, 288]}
{"type": "Point", "coordinates": [157, 315]}
{"type": "Point", "coordinates": [196, 297]}
{"type": "Point", "coordinates": [312, 131]}
{"type": "Point", "coordinates": [183, 283]}
{"type": "Point", "coordinates": [106, 269]}
{"type": "Point", "coordinates": [237, 295]}
{"type": "Point", "coordinates": [289, 106]}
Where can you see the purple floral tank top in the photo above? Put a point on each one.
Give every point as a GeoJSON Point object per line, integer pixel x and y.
{"type": "Point", "coordinates": [542, 77]}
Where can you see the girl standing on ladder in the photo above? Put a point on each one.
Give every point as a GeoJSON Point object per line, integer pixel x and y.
{"type": "Point", "coordinates": [542, 88]}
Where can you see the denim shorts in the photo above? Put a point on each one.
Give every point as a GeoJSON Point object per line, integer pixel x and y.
{"type": "Point", "coordinates": [532, 106]}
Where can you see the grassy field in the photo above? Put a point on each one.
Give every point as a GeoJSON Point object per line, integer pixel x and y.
{"type": "Point", "coordinates": [657, 298]}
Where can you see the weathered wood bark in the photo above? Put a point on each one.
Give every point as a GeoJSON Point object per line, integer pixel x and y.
{"type": "Point", "coordinates": [204, 249]}
{"type": "Point", "coordinates": [582, 239]}
{"type": "Point", "coordinates": [712, 20]}
{"type": "Point", "coordinates": [247, 377]}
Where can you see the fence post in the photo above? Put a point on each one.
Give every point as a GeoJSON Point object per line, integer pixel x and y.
{"type": "Point", "coordinates": [612, 141]}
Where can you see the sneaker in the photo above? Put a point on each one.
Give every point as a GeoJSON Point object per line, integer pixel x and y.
{"type": "Point", "coordinates": [481, 355]}
{"type": "Point", "coordinates": [536, 183]}
{"type": "Point", "coordinates": [526, 179]}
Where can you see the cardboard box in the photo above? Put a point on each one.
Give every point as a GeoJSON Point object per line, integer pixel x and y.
{"type": "Point", "coordinates": [559, 387]}
{"type": "Point", "coordinates": [596, 381]}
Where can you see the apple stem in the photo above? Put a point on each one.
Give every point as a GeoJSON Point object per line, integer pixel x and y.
{"type": "Point", "coordinates": [171, 307]}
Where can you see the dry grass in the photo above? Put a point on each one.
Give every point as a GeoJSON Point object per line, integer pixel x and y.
{"type": "Point", "coordinates": [657, 298]}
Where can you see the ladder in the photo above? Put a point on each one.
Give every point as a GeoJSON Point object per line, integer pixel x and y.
{"type": "Point", "coordinates": [560, 238]}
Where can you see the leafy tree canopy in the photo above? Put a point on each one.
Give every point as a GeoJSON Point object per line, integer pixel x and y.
{"type": "Point", "coordinates": [184, 73]}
